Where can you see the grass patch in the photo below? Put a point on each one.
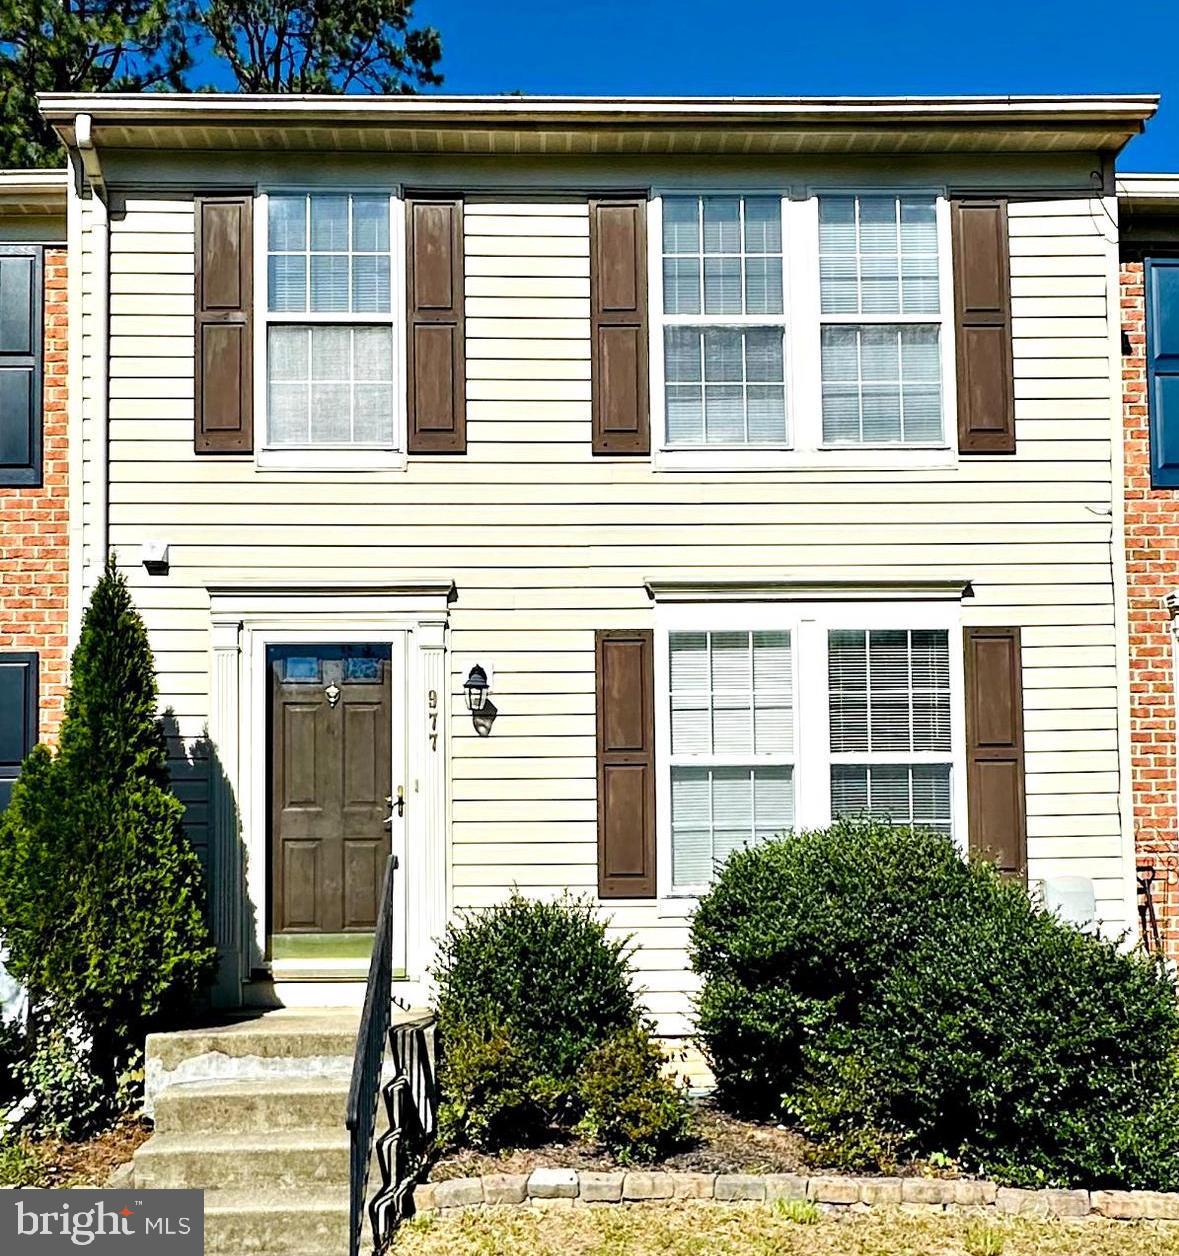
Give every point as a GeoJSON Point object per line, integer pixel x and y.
{"type": "Point", "coordinates": [755, 1230]}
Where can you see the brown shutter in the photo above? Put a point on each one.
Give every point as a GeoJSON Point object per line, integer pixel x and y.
{"type": "Point", "coordinates": [224, 320]}
{"type": "Point", "coordinates": [994, 748]}
{"type": "Point", "coordinates": [618, 325]}
{"type": "Point", "coordinates": [626, 763]}
{"type": "Point", "coordinates": [982, 327]}
{"type": "Point", "coordinates": [436, 338]}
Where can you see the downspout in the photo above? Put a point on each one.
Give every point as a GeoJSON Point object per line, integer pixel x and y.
{"type": "Point", "coordinates": [75, 491]}
{"type": "Point", "coordinates": [95, 553]}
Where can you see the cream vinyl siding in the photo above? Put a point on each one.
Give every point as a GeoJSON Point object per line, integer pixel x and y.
{"type": "Point", "coordinates": [545, 542]}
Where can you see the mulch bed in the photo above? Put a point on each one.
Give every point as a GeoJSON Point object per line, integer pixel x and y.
{"type": "Point", "coordinates": [719, 1144]}
{"type": "Point", "coordinates": [91, 1162]}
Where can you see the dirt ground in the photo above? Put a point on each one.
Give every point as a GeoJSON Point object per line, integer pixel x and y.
{"type": "Point", "coordinates": [55, 1162]}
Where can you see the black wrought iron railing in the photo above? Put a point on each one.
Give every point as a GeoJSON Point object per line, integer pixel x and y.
{"type": "Point", "coordinates": [368, 1061]}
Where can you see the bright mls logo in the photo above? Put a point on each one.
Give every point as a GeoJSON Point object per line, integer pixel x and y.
{"type": "Point", "coordinates": [106, 1223]}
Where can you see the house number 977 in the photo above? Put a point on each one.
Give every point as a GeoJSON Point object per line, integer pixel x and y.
{"type": "Point", "coordinates": [432, 717]}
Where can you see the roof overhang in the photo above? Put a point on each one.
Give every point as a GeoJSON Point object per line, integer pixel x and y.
{"type": "Point", "coordinates": [1149, 193]}
{"type": "Point", "coordinates": [546, 125]}
{"type": "Point", "coordinates": [33, 193]}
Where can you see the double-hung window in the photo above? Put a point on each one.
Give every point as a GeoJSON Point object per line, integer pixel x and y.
{"type": "Point", "coordinates": [780, 717]}
{"type": "Point", "coordinates": [880, 315]}
{"type": "Point", "coordinates": [329, 321]}
{"type": "Point", "coordinates": [724, 321]}
{"type": "Point", "coordinates": [889, 699]}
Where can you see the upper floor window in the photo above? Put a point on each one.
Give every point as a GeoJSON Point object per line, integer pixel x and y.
{"type": "Point", "coordinates": [1162, 368]}
{"type": "Point", "coordinates": [329, 316]}
{"type": "Point", "coordinates": [810, 324]}
{"type": "Point", "coordinates": [22, 363]}
{"type": "Point", "coordinates": [880, 309]}
{"type": "Point", "coordinates": [724, 321]}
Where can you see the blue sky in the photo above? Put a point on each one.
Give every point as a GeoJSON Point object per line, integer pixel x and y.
{"type": "Point", "coordinates": [819, 47]}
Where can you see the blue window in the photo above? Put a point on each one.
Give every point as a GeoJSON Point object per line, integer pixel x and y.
{"type": "Point", "coordinates": [18, 716]}
{"type": "Point", "coordinates": [1162, 368]}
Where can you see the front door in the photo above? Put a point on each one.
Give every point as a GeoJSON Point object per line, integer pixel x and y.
{"type": "Point", "coordinates": [331, 777]}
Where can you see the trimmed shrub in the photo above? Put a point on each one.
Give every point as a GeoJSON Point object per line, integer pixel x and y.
{"type": "Point", "coordinates": [528, 991]}
{"type": "Point", "coordinates": [631, 1107]}
{"type": "Point", "coordinates": [894, 999]}
{"type": "Point", "coordinates": [101, 893]}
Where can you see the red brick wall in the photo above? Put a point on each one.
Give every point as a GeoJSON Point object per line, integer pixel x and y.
{"type": "Point", "coordinates": [1152, 560]}
{"type": "Point", "coordinates": [34, 525]}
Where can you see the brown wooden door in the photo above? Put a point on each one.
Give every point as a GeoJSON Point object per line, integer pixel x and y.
{"type": "Point", "coordinates": [331, 721]}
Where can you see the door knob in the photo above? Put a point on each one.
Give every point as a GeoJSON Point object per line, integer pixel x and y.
{"type": "Point", "coordinates": [398, 802]}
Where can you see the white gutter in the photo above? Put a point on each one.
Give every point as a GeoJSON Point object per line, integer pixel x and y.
{"type": "Point", "coordinates": [208, 108]}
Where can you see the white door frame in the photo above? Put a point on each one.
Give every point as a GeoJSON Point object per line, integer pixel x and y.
{"type": "Point", "coordinates": [245, 619]}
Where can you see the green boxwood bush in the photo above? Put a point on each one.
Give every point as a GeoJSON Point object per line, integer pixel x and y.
{"type": "Point", "coordinates": [528, 991]}
{"type": "Point", "coordinates": [894, 999]}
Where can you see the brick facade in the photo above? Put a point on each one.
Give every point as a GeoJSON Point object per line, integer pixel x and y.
{"type": "Point", "coordinates": [34, 524]}
{"type": "Point", "coordinates": [1152, 559]}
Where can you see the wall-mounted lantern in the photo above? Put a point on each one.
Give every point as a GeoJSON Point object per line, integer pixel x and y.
{"type": "Point", "coordinates": [475, 688]}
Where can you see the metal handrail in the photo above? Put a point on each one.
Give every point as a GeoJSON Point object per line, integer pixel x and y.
{"type": "Point", "coordinates": [368, 1060]}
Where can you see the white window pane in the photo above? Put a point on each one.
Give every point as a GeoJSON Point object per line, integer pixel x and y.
{"type": "Point", "coordinates": [681, 224]}
{"type": "Point", "coordinates": [722, 224]}
{"type": "Point", "coordinates": [287, 353]}
{"type": "Point", "coordinates": [689, 660]}
{"type": "Point", "coordinates": [880, 406]}
{"type": "Point", "coordinates": [849, 790]}
{"type": "Point", "coordinates": [329, 284]}
{"type": "Point", "coordinates": [331, 413]}
{"type": "Point", "coordinates": [370, 224]}
{"type": "Point", "coordinates": [847, 685]}
{"type": "Point", "coordinates": [880, 354]}
{"type": "Point", "coordinates": [880, 285]}
{"type": "Point", "coordinates": [685, 414]}
{"type": "Point", "coordinates": [763, 224]}
{"type": "Point", "coordinates": [923, 412]}
{"type": "Point", "coordinates": [287, 223]}
{"type": "Point", "coordinates": [372, 350]}
{"type": "Point", "coordinates": [766, 413]}
{"type": "Point", "coordinates": [888, 793]}
{"type": "Point", "coordinates": [724, 414]}
{"type": "Point", "coordinates": [773, 801]}
{"type": "Point", "coordinates": [722, 285]}
{"type": "Point", "coordinates": [370, 285]}
{"type": "Point", "coordinates": [732, 662]}
{"type": "Point", "coordinates": [287, 283]}
{"type": "Point", "coordinates": [919, 285]}
{"type": "Point", "coordinates": [920, 355]}
{"type": "Point", "coordinates": [723, 355]}
{"type": "Point", "coordinates": [691, 812]}
{"type": "Point", "coordinates": [930, 665]}
{"type": "Point", "coordinates": [287, 414]}
{"type": "Point", "coordinates": [837, 225]}
{"type": "Point", "coordinates": [841, 415]}
{"type": "Point", "coordinates": [329, 224]}
{"type": "Point", "coordinates": [373, 421]}
{"type": "Point", "coordinates": [931, 796]}
{"type": "Point", "coordinates": [763, 285]}
{"type": "Point", "coordinates": [681, 285]}
{"type": "Point", "coordinates": [681, 355]}
{"type": "Point", "coordinates": [331, 354]}
{"type": "Point", "coordinates": [840, 354]}
{"type": "Point", "coordinates": [839, 285]}
{"type": "Point", "coordinates": [918, 225]}
{"type": "Point", "coordinates": [878, 225]}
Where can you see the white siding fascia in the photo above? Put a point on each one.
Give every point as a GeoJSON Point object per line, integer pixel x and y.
{"type": "Point", "coordinates": [76, 491]}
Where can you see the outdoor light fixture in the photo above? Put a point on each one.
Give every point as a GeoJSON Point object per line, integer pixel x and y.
{"type": "Point", "coordinates": [475, 688]}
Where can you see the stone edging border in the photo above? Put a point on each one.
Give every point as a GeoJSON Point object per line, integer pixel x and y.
{"type": "Point", "coordinates": [565, 1187]}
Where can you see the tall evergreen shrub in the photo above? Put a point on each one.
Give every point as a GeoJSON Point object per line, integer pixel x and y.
{"type": "Point", "coordinates": [101, 893]}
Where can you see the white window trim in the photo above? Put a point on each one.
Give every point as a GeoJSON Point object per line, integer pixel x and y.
{"type": "Point", "coordinates": [806, 450]}
{"type": "Point", "coordinates": [808, 624]}
{"type": "Point", "coordinates": [319, 458]}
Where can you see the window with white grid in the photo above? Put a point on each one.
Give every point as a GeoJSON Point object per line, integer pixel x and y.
{"type": "Point", "coordinates": [724, 321]}
{"type": "Point", "coordinates": [329, 315]}
{"type": "Point", "coordinates": [881, 316]}
{"type": "Point", "coordinates": [890, 725]}
{"type": "Point", "coordinates": [732, 745]}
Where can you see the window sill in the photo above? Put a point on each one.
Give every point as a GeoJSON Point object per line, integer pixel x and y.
{"type": "Point", "coordinates": [329, 459]}
{"type": "Point", "coordinates": [725, 459]}
{"type": "Point", "coordinates": [680, 904]}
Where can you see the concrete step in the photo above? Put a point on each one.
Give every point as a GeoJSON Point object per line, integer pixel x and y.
{"type": "Point", "coordinates": [279, 1035]}
{"type": "Point", "coordinates": [247, 1107]}
{"type": "Point", "coordinates": [289, 1159]}
{"type": "Point", "coordinates": [269, 1223]}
